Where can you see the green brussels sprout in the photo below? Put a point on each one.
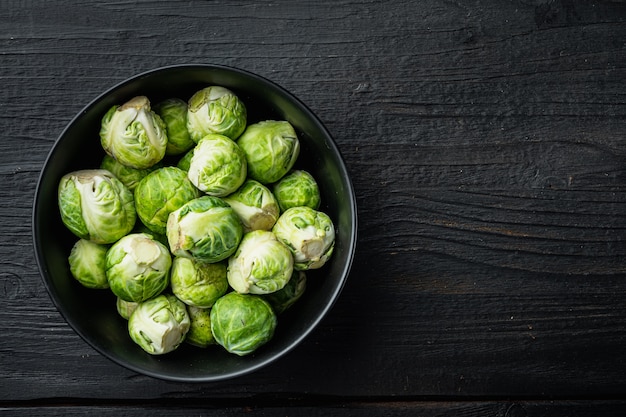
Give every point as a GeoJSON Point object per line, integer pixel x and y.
{"type": "Point", "coordinates": [138, 267]}
{"type": "Point", "coordinates": [87, 263]}
{"type": "Point", "coordinates": [199, 333]}
{"type": "Point", "coordinates": [159, 325]}
{"type": "Point", "coordinates": [261, 264]}
{"type": "Point", "coordinates": [310, 234]}
{"type": "Point", "coordinates": [283, 299]}
{"type": "Point", "coordinates": [198, 283]}
{"type": "Point", "coordinates": [215, 109]}
{"type": "Point", "coordinates": [133, 134]}
{"type": "Point", "coordinates": [218, 166]}
{"type": "Point", "coordinates": [296, 189]}
{"type": "Point", "coordinates": [271, 148]}
{"type": "Point", "coordinates": [130, 177]}
{"type": "Point", "coordinates": [96, 206]}
{"type": "Point", "coordinates": [241, 323]}
{"type": "Point", "coordinates": [161, 192]}
{"type": "Point", "coordinates": [125, 308]}
{"type": "Point", "coordinates": [173, 112]}
{"type": "Point", "coordinates": [205, 228]}
{"type": "Point", "coordinates": [255, 205]}
{"type": "Point", "coordinates": [185, 161]}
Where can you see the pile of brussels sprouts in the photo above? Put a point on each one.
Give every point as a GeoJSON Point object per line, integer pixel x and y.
{"type": "Point", "coordinates": [197, 221]}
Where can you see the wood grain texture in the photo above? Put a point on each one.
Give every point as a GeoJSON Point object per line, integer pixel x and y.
{"type": "Point", "coordinates": [366, 409]}
{"type": "Point", "coordinates": [486, 144]}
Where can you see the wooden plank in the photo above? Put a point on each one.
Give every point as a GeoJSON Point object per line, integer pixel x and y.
{"type": "Point", "coordinates": [485, 143]}
{"type": "Point", "coordinates": [365, 409]}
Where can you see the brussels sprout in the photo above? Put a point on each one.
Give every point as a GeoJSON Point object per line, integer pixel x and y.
{"type": "Point", "coordinates": [261, 264]}
{"type": "Point", "coordinates": [198, 283]}
{"type": "Point", "coordinates": [215, 109]}
{"type": "Point", "coordinates": [282, 299]}
{"type": "Point", "coordinates": [87, 264]}
{"type": "Point", "coordinates": [138, 267]}
{"type": "Point", "coordinates": [296, 189]}
{"type": "Point", "coordinates": [95, 205]}
{"type": "Point", "coordinates": [218, 166]}
{"type": "Point", "coordinates": [241, 323]}
{"type": "Point", "coordinates": [161, 192]}
{"type": "Point", "coordinates": [206, 228]}
{"type": "Point", "coordinates": [160, 324]}
{"type": "Point", "coordinates": [130, 177]}
{"type": "Point", "coordinates": [133, 134]}
{"type": "Point", "coordinates": [255, 205]}
{"type": "Point", "coordinates": [199, 333]}
{"type": "Point", "coordinates": [309, 234]}
{"type": "Point", "coordinates": [271, 148]}
{"type": "Point", "coordinates": [185, 161]}
{"type": "Point", "coordinates": [173, 112]}
{"type": "Point", "coordinates": [125, 308]}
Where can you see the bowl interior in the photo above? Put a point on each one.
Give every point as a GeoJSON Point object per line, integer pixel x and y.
{"type": "Point", "coordinates": [92, 313]}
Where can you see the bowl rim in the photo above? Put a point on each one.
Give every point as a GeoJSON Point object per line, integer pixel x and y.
{"type": "Point", "coordinates": [351, 241]}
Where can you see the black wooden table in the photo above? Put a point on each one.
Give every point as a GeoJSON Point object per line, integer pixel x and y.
{"type": "Point", "coordinates": [486, 141]}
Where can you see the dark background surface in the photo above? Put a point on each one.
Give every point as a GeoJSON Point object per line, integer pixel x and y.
{"type": "Point", "coordinates": [486, 141]}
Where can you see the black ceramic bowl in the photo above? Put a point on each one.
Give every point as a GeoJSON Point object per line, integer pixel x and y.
{"type": "Point", "coordinates": [92, 313]}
